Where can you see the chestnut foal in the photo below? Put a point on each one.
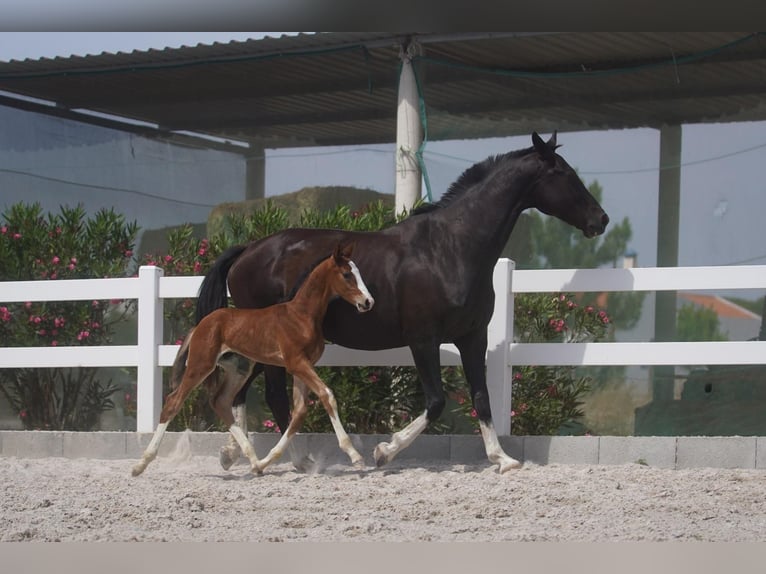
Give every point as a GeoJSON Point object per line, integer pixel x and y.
{"type": "Point", "coordinates": [287, 335]}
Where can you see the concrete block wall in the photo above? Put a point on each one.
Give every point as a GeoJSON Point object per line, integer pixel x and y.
{"type": "Point", "coordinates": [659, 452]}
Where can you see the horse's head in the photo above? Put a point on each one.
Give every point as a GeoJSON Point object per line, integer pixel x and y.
{"type": "Point", "coordinates": [560, 192]}
{"type": "Point", "coordinates": [347, 281]}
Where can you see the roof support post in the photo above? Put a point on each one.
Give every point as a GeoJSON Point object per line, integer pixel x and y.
{"type": "Point", "coordinates": [409, 135]}
{"type": "Point", "coordinates": [668, 217]}
{"type": "Point", "coordinates": [255, 174]}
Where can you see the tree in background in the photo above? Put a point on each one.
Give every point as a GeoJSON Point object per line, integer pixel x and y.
{"type": "Point", "coordinates": [698, 324]}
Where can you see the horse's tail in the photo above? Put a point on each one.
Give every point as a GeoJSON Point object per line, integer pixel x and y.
{"type": "Point", "coordinates": [179, 365]}
{"type": "Point", "coordinates": [212, 293]}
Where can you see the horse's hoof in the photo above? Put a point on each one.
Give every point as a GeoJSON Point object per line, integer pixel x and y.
{"type": "Point", "coordinates": [510, 464]}
{"type": "Point", "coordinates": [380, 454]}
{"type": "Point", "coordinates": [358, 464]}
{"type": "Point", "coordinates": [138, 469]}
{"type": "Point", "coordinates": [226, 458]}
{"type": "Point", "coordinates": [305, 464]}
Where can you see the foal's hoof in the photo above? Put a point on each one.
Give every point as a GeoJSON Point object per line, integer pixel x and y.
{"type": "Point", "coordinates": [138, 469]}
{"type": "Point", "coordinates": [381, 454]}
{"type": "Point", "coordinates": [227, 456]}
{"type": "Point", "coordinates": [510, 464]}
{"type": "Point", "coordinates": [305, 464]}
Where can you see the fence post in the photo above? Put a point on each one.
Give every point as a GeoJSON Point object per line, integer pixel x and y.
{"type": "Point", "coordinates": [149, 378]}
{"type": "Point", "coordinates": [499, 337]}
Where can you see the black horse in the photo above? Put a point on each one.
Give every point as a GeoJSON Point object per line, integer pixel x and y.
{"type": "Point", "coordinates": [431, 276]}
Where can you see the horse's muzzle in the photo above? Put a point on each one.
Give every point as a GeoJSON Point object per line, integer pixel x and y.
{"type": "Point", "coordinates": [365, 305]}
{"type": "Point", "coordinates": [597, 227]}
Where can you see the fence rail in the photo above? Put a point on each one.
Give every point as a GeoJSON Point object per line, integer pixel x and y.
{"type": "Point", "coordinates": [149, 355]}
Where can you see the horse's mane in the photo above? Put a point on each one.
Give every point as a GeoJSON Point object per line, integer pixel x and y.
{"type": "Point", "coordinates": [470, 177]}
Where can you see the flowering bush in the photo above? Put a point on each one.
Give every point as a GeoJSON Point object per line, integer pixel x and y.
{"type": "Point", "coordinates": [546, 398]}
{"type": "Point", "coordinates": [187, 255]}
{"type": "Point", "coordinates": [66, 245]}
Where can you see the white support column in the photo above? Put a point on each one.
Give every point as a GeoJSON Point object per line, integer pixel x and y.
{"type": "Point", "coordinates": [499, 337]}
{"type": "Point", "coordinates": [409, 135]}
{"type": "Point", "coordinates": [150, 327]}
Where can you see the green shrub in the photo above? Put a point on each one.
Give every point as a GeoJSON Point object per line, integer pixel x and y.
{"type": "Point", "coordinates": [48, 247]}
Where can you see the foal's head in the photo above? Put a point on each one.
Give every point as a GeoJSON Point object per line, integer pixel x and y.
{"type": "Point", "coordinates": [346, 281]}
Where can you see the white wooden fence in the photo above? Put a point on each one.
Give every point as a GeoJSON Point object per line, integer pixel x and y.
{"type": "Point", "coordinates": [149, 355]}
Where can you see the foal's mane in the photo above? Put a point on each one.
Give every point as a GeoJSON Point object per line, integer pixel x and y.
{"type": "Point", "coordinates": [303, 276]}
{"type": "Point", "coordinates": [470, 177]}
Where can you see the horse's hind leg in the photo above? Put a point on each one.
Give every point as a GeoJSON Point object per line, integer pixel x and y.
{"type": "Point", "coordinates": [472, 354]}
{"type": "Point", "coordinates": [427, 362]}
{"type": "Point", "coordinates": [197, 370]}
{"type": "Point", "coordinates": [222, 405]}
{"type": "Point", "coordinates": [231, 451]}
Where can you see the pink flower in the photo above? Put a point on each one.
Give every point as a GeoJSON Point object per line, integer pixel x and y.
{"type": "Point", "coordinates": [17, 235]}
{"type": "Point", "coordinates": [517, 376]}
{"type": "Point", "coordinates": [589, 309]}
{"type": "Point", "coordinates": [73, 260]}
{"type": "Point", "coordinates": [83, 335]}
{"type": "Point", "coordinates": [128, 253]}
{"type": "Point", "coordinates": [3, 230]}
{"type": "Point", "coordinates": [474, 414]}
{"type": "Point", "coordinates": [54, 343]}
{"type": "Point", "coordinates": [95, 304]}
{"type": "Point", "coordinates": [513, 413]}
{"type": "Point", "coordinates": [59, 322]}
{"type": "Point", "coordinates": [28, 305]}
{"type": "Point", "coordinates": [168, 258]}
{"type": "Point", "coordinates": [197, 267]}
{"type": "Point", "coordinates": [179, 341]}
{"type": "Point", "coordinates": [56, 260]}
{"type": "Point", "coordinates": [5, 314]}
{"type": "Point", "coordinates": [201, 251]}
{"type": "Point", "coordinates": [42, 332]}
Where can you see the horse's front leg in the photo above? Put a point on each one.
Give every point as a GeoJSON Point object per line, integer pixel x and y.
{"type": "Point", "coordinates": [427, 362]}
{"type": "Point", "coordinates": [473, 350]}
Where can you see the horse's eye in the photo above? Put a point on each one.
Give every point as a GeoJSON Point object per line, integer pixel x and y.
{"type": "Point", "coordinates": [348, 276]}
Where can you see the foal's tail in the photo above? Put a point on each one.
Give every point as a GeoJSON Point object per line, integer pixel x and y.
{"type": "Point", "coordinates": [212, 292]}
{"type": "Point", "coordinates": [179, 365]}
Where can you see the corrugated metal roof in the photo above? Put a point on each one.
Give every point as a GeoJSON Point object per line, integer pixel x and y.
{"type": "Point", "coordinates": [341, 88]}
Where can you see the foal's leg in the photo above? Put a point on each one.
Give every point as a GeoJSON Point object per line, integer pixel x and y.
{"type": "Point", "coordinates": [193, 376]}
{"type": "Point", "coordinates": [308, 378]}
{"type": "Point", "coordinates": [222, 405]}
{"type": "Point", "coordinates": [427, 362]}
{"type": "Point", "coordinates": [472, 353]}
{"type": "Point", "coordinates": [231, 451]}
{"type": "Point", "coordinates": [300, 409]}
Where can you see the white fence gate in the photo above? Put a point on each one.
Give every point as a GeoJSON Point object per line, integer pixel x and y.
{"type": "Point", "coordinates": [149, 355]}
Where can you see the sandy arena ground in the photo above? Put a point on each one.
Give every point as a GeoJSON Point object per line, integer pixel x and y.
{"type": "Point", "coordinates": [190, 498]}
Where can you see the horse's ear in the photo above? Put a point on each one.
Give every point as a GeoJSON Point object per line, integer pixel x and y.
{"type": "Point", "coordinates": [343, 252]}
{"type": "Point", "coordinates": [546, 150]}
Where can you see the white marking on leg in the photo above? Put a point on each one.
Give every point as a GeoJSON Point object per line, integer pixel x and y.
{"type": "Point", "coordinates": [344, 441]}
{"type": "Point", "coordinates": [386, 451]}
{"type": "Point", "coordinates": [230, 452]}
{"type": "Point", "coordinates": [495, 452]}
{"type": "Point", "coordinates": [151, 451]}
{"type": "Point", "coordinates": [246, 446]}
